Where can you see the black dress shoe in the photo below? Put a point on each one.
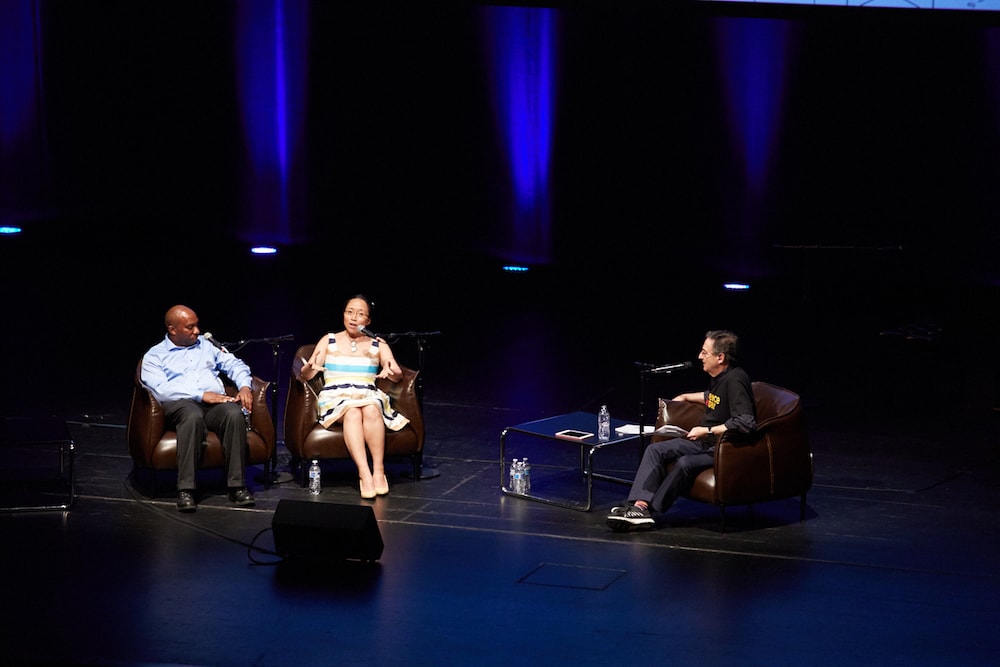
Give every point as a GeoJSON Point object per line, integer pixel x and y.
{"type": "Point", "coordinates": [241, 497]}
{"type": "Point", "coordinates": [185, 502]}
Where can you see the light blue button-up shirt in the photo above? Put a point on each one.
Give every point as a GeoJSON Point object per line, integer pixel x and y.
{"type": "Point", "coordinates": [173, 372]}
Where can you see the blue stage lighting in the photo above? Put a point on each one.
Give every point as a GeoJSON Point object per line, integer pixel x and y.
{"type": "Point", "coordinates": [263, 250]}
{"type": "Point", "coordinates": [736, 287]}
{"type": "Point", "coordinates": [8, 229]}
{"type": "Point", "coordinates": [271, 76]}
{"type": "Point", "coordinates": [754, 56]}
{"type": "Point", "coordinates": [523, 62]}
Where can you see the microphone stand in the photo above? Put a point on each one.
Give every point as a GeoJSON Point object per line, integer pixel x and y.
{"type": "Point", "coordinates": [272, 476]}
{"type": "Point", "coordinates": [645, 370]}
{"type": "Point", "coordinates": [421, 339]}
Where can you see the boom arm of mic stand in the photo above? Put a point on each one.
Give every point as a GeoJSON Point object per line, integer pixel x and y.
{"type": "Point", "coordinates": [393, 337]}
{"type": "Point", "coordinates": [268, 341]}
{"type": "Point", "coordinates": [663, 369]}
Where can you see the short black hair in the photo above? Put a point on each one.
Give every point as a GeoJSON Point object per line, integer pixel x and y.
{"type": "Point", "coordinates": [727, 343]}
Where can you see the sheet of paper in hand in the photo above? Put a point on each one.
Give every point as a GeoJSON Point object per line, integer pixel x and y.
{"type": "Point", "coordinates": [671, 430]}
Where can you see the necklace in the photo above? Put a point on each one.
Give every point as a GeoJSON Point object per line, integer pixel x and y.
{"type": "Point", "coordinates": [354, 345]}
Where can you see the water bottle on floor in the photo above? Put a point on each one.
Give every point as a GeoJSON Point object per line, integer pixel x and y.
{"type": "Point", "coordinates": [526, 475]}
{"type": "Point", "coordinates": [315, 478]}
{"type": "Point", "coordinates": [512, 484]}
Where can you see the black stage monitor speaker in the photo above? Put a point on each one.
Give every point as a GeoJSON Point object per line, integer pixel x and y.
{"type": "Point", "coordinates": [318, 531]}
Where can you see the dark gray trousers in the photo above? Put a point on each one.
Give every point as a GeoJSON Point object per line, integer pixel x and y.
{"type": "Point", "coordinates": [192, 421]}
{"type": "Point", "coordinates": [660, 487]}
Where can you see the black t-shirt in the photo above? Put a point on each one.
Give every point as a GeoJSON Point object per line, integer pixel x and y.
{"type": "Point", "coordinates": [729, 400]}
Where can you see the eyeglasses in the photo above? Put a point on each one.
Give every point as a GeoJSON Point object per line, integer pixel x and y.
{"type": "Point", "coordinates": [707, 353]}
{"type": "Point", "coordinates": [350, 312]}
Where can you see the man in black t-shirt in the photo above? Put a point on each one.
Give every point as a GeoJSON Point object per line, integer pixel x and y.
{"type": "Point", "coordinates": [730, 406]}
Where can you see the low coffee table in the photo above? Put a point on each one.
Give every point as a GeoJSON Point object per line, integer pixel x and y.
{"type": "Point", "coordinates": [36, 465]}
{"type": "Point", "coordinates": [547, 429]}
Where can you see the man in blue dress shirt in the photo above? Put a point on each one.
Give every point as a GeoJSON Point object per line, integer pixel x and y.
{"type": "Point", "coordinates": [183, 371]}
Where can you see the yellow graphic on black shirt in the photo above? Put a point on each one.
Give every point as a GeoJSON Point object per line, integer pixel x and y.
{"type": "Point", "coordinates": [713, 401]}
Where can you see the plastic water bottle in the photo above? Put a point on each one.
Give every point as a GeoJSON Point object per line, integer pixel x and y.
{"type": "Point", "coordinates": [604, 424]}
{"type": "Point", "coordinates": [315, 478]}
{"type": "Point", "coordinates": [512, 485]}
{"type": "Point", "coordinates": [526, 475]}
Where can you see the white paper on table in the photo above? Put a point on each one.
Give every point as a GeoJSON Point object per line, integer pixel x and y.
{"type": "Point", "coordinates": [633, 429]}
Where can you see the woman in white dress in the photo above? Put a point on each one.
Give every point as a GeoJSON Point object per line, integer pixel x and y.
{"type": "Point", "coordinates": [350, 362]}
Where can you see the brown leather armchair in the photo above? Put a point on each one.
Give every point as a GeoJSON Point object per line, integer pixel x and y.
{"type": "Point", "coordinates": [306, 439]}
{"type": "Point", "coordinates": [772, 463]}
{"type": "Point", "coordinates": [154, 448]}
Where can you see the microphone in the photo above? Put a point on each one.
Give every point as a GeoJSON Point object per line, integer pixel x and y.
{"type": "Point", "coordinates": [670, 368]}
{"type": "Point", "coordinates": [368, 332]}
{"type": "Point", "coordinates": [211, 339]}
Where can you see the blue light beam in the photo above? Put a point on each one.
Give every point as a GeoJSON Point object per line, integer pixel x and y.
{"type": "Point", "coordinates": [272, 62]}
{"type": "Point", "coordinates": [753, 55]}
{"type": "Point", "coordinates": [522, 61]}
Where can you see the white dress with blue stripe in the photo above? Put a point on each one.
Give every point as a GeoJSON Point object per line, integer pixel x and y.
{"type": "Point", "coordinates": [349, 382]}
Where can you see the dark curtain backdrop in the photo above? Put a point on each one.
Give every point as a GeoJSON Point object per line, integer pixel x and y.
{"type": "Point", "coordinates": [889, 127]}
{"type": "Point", "coordinates": [880, 203]}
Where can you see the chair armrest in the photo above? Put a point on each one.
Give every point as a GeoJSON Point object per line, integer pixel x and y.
{"type": "Point", "coordinates": [404, 398]}
{"type": "Point", "coordinates": [261, 420]}
{"type": "Point", "coordinates": [300, 404]}
{"type": "Point", "coordinates": [300, 414]}
{"type": "Point", "coordinates": [685, 414]}
{"type": "Point", "coordinates": [146, 424]}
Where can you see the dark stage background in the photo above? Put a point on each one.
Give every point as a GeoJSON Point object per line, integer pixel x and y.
{"type": "Point", "coordinates": [878, 211]}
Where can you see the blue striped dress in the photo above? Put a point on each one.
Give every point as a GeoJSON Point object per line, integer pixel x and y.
{"type": "Point", "coordinates": [349, 382]}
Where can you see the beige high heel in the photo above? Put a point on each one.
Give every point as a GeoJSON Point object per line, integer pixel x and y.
{"type": "Point", "coordinates": [383, 488]}
{"type": "Point", "coordinates": [367, 495]}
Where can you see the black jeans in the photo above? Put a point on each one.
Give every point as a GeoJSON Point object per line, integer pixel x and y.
{"type": "Point", "coordinates": [660, 488]}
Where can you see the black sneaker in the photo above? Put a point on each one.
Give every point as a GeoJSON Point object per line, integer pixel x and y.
{"type": "Point", "coordinates": [621, 509]}
{"type": "Point", "coordinates": [633, 517]}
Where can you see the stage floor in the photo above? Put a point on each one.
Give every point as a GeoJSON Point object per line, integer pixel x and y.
{"type": "Point", "coordinates": [896, 563]}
